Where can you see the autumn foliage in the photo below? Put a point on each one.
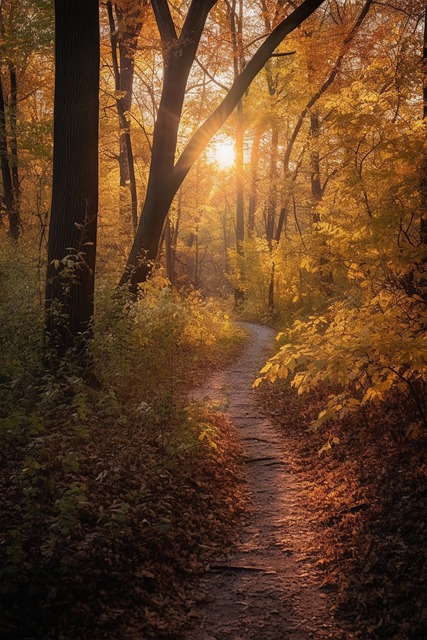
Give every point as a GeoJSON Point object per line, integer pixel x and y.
{"type": "Point", "coordinates": [306, 206]}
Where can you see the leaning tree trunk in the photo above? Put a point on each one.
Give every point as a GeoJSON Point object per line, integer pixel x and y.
{"type": "Point", "coordinates": [166, 176]}
{"type": "Point", "coordinates": [73, 224]}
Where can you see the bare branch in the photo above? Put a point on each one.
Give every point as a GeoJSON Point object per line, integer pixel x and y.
{"type": "Point", "coordinates": [210, 76]}
{"type": "Point", "coordinates": [282, 55]}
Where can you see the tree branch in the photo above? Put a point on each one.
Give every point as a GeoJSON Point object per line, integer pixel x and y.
{"type": "Point", "coordinates": [205, 132]}
{"type": "Point", "coordinates": [210, 76]}
{"type": "Point", "coordinates": [164, 20]}
{"type": "Point", "coordinates": [195, 19]}
{"type": "Point", "coordinates": [282, 55]}
{"type": "Point", "coordinates": [327, 83]}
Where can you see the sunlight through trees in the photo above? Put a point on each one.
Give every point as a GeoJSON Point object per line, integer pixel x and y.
{"type": "Point", "coordinates": [166, 169]}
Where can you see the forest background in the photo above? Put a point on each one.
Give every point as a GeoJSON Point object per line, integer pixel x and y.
{"type": "Point", "coordinates": [307, 210]}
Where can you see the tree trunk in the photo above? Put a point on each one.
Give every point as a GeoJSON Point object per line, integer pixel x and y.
{"type": "Point", "coordinates": [171, 241]}
{"type": "Point", "coordinates": [253, 195]}
{"type": "Point", "coordinates": [179, 54]}
{"type": "Point", "coordinates": [13, 108]}
{"type": "Point", "coordinates": [236, 24]}
{"type": "Point", "coordinates": [272, 206]}
{"type": "Point", "coordinates": [73, 225]}
{"type": "Point", "coordinates": [316, 187]}
{"type": "Point", "coordinates": [9, 195]}
{"type": "Point", "coordinates": [239, 295]}
{"type": "Point", "coordinates": [326, 276]}
{"type": "Point", "coordinates": [165, 178]}
{"type": "Point", "coordinates": [281, 224]}
{"type": "Point", "coordinates": [124, 40]}
{"type": "Point", "coordinates": [169, 253]}
{"type": "Point", "coordinates": [272, 198]}
{"type": "Point", "coordinates": [423, 221]}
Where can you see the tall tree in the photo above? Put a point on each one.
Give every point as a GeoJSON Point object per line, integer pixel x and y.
{"type": "Point", "coordinates": [73, 225]}
{"type": "Point", "coordinates": [166, 175]}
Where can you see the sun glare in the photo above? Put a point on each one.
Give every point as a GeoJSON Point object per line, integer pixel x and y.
{"type": "Point", "coordinates": [224, 154]}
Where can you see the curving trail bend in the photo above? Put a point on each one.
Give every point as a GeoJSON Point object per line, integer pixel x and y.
{"type": "Point", "coordinates": [269, 588]}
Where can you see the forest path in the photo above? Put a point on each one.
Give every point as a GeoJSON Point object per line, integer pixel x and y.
{"type": "Point", "coordinates": [268, 589]}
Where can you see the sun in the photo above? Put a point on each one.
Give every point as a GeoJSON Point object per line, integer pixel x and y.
{"type": "Point", "coordinates": [225, 154]}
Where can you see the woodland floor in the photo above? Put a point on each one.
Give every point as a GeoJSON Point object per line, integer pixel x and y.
{"type": "Point", "coordinates": [328, 546]}
{"type": "Point", "coordinates": [270, 587]}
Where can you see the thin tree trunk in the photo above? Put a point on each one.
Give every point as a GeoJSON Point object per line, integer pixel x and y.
{"type": "Point", "coordinates": [272, 206]}
{"type": "Point", "coordinates": [9, 196]}
{"type": "Point", "coordinates": [196, 257]}
{"type": "Point", "coordinates": [168, 252]}
{"type": "Point", "coordinates": [236, 19]}
{"type": "Point", "coordinates": [281, 224]}
{"type": "Point", "coordinates": [171, 238]}
{"type": "Point", "coordinates": [253, 195]}
{"type": "Point", "coordinates": [239, 295]}
{"type": "Point", "coordinates": [272, 198]}
{"type": "Point", "coordinates": [316, 187]}
{"type": "Point", "coordinates": [326, 276]}
{"type": "Point", "coordinates": [423, 221]}
{"type": "Point", "coordinates": [124, 40]}
{"type": "Point", "coordinates": [240, 213]}
{"type": "Point", "coordinates": [13, 109]}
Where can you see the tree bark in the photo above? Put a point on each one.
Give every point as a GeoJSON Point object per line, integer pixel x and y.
{"type": "Point", "coordinates": [8, 191]}
{"type": "Point", "coordinates": [179, 54]}
{"type": "Point", "coordinates": [13, 108]}
{"type": "Point", "coordinates": [316, 186]}
{"type": "Point", "coordinates": [165, 178]}
{"type": "Point", "coordinates": [236, 24]}
{"type": "Point", "coordinates": [253, 195]}
{"type": "Point", "coordinates": [272, 197]}
{"type": "Point", "coordinates": [423, 220]}
{"type": "Point", "coordinates": [73, 225]}
{"type": "Point", "coordinates": [326, 276]}
{"type": "Point", "coordinates": [124, 40]}
{"type": "Point", "coordinates": [272, 206]}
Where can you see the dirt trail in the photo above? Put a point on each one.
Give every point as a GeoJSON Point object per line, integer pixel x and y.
{"type": "Point", "coordinates": [269, 588]}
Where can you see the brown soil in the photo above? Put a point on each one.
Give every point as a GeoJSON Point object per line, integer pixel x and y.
{"type": "Point", "coordinates": [271, 587]}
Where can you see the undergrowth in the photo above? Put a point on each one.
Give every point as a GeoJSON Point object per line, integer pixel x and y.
{"type": "Point", "coordinates": [114, 494]}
